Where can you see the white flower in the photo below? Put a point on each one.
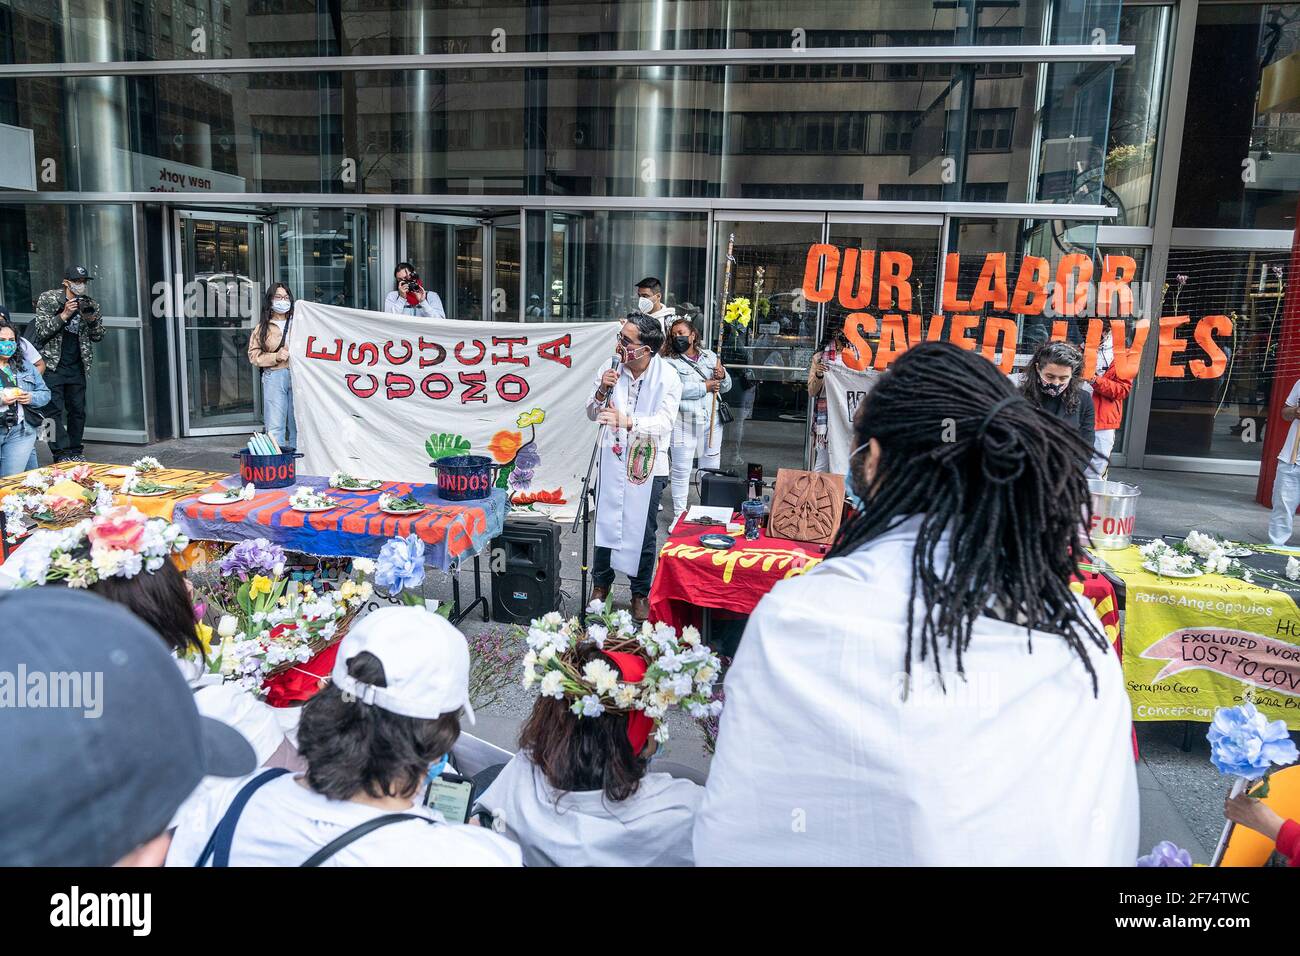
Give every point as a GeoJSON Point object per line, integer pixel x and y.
{"type": "Point", "coordinates": [530, 678]}
{"type": "Point", "coordinates": [704, 674]}
{"type": "Point", "coordinates": [589, 706]}
{"type": "Point", "coordinates": [1292, 569]}
{"type": "Point", "coordinates": [595, 607]}
{"type": "Point", "coordinates": [530, 660]}
{"type": "Point", "coordinates": [690, 635]}
{"type": "Point", "coordinates": [546, 653]}
{"type": "Point", "coordinates": [227, 626]}
{"type": "Point", "coordinates": [553, 685]}
{"type": "Point", "coordinates": [601, 676]}
{"type": "Point", "coordinates": [363, 566]}
{"type": "Point", "coordinates": [553, 619]}
{"type": "Point", "coordinates": [661, 734]}
{"type": "Point", "coordinates": [625, 696]}
{"type": "Point", "coordinates": [597, 633]}
{"type": "Point", "coordinates": [1202, 544]}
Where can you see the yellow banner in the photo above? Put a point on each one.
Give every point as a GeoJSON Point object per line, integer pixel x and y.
{"type": "Point", "coordinates": [1194, 644]}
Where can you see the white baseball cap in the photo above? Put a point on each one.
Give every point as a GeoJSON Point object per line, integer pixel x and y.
{"type": "Point", "coordinates": [426, 663]}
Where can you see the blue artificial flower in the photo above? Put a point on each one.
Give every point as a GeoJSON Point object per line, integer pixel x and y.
{"type": "Point", "coordinates": [1245, 743]}
{"type": "Point", "coordinates": [401, 564]}
{"type": "Point", "coordinates": [1166, 853]}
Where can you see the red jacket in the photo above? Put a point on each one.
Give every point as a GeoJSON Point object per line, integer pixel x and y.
{"type": "Point", "coordinates": [1108, 395]}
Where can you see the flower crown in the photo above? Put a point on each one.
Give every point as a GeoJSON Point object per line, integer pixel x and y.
{"type": "Point", "coordinates": [680, 671]}
{"type": "Point", "coordinates": [118, 543]}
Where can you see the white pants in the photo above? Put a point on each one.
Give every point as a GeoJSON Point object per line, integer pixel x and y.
{"type": "Point", "coordinates": [1103, 443]}
{"type": "Point", "coordinates": [1286, 497]}
{"type": "Point", "coordinates": [687, 440]}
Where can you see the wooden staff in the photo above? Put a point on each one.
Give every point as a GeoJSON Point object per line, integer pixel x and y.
{"type": "Point", "coordinates": [722, 320]}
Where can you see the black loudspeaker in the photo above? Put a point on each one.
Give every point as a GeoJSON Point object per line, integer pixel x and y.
{"type": "Point", "coordinates": [721, 488]}
{"type": "Point", "coordinates": [525, 563]}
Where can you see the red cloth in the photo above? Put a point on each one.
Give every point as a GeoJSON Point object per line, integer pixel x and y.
{"type": "Point", "coordinates": [639, 726]}
{"type": "Point", "coordinates": [301, 682]}
{"type": "Point", "coordinates": [1288, 842]}
{"type": "Point", "coordinates": [690, 577]}
{"type": "Point", "coordinates": [1285, 367]}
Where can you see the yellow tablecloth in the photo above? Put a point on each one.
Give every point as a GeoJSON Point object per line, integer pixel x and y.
{"type": "Point", "coordinates": [161, 506]}
{"type": "Point", "coordinates": [1194, 644]}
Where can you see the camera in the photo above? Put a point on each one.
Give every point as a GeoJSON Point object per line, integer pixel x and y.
{"type": "Point", "coordinates": [85, 305]}
{"type": "Point", "coordinates": [413, 286]}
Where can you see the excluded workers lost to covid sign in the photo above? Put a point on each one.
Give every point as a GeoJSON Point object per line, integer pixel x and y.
{"type": "Point", "coordinates": [876, 288]}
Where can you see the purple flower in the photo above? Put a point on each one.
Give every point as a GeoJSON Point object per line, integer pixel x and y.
{"type": "Point", "coordinates": [1180, 279]}
{"type": "Point", "coordinates": [401, 564]}
{"type": "Point", "coordinates": [1245, 743]}
{"type": "Point", "coordinates": [1166, 853]}
{"type": "Point", "coordinates": [251, 557]}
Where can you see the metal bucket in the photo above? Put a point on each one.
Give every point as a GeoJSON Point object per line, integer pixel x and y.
{"type": "Point", "coordinates": [465, 477]}
{"type": "Point", "coordinates": [1114, 509]}
{"type": "Point", "coordinates": [268, 471]}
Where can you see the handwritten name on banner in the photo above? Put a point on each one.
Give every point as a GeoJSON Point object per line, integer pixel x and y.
{"type": "Point", "coordinates": [385, 396]}
{"type": "Point", "coordinates": [861, 279]}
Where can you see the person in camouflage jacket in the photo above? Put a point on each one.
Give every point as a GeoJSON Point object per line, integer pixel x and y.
{"type": "Point", "coordinates": [65, 336]}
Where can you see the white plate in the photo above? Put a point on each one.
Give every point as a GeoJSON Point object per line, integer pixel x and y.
{"type": "Point", "coordinates": [148, 494]}
{"type": "Point", "coordinates": [314, 510]}
{"type": "Point", "coordinates": [218, 498]}
{"type": "Point", "coordinates": [365, 486]}
{"type": "Point", "coordinates": [1170, 574]}
{"type": "Point", "coordinates": [118, 472]}
{"type": "Point", "coordinates": [1239, 553]}
{"type": "Point", "coordinates": [404, 514]}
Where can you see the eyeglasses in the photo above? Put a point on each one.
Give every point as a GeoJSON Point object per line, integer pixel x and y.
{"type": "Point", "coordinates": [624, 341]}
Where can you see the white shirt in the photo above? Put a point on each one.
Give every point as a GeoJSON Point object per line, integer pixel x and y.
{"type": "Point", "coordinates": [820, 762]}
{"type": "Point", "coordinates": [1291, 447]}
{"type": "Point", "coordinates": [431, 307]}
{"type": "Point", "coordinates": [255, 720]}
{"type": "Point", "coordinates": [285, 823]}
{"type": "Point", "coordinates": [30, 355]}
{"type": "Point", "coordinates": [654, 422]}
{"type": "Point", "coordinates": [650, 828]}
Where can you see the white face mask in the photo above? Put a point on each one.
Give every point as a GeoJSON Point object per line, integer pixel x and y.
{"type": "Point", "coordinates": [78, 288]}
{"type": "Point", "coordinates": [644, 305]}
{"type": "Point", "coordinates": [281, 305]}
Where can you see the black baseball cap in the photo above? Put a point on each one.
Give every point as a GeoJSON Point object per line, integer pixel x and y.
{"type": "Point", "coordinates": [100, 740]}
{"type": "Point", "coordinates": [77, 274]}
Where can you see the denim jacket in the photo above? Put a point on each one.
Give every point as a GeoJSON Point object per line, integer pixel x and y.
{"type": "Point", "coordinates": [29, 380]}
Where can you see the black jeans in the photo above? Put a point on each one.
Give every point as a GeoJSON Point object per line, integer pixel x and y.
{"type": "Point", "coordinates": [67, 385]}
{"type": "Point", "coordinates": [603, 575]}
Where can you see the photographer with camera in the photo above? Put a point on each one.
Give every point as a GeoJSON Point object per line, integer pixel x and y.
{"type": "Point", "coordinates": [67, 325]}
{"type": "Point", "coordinates": [410, 297]}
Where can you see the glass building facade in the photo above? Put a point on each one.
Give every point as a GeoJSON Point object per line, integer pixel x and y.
{"type": "Point", "coordinates": [535, 158]}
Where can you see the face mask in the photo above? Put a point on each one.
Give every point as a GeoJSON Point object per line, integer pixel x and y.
{"type": "Point", "coordinates": [850, 487]}
{"type": "Point", "coordinates": [645, 305]}
{"type": "Point", "coordinates": [682, 343]}
{"type": "Point", "coordinates": [435, 770]}
{"type": "Point", "coordinates": [8, 348]}
{"type": "Point", "coordinates": [78, 288]}
{"type": "Point", "coordinates": [281, 306]}
{"type": "Point", "coordinates": [1051, 388]}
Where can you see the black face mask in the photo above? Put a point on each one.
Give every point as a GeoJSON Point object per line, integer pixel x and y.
{"type": "Point", "coordinates": [682, 344]}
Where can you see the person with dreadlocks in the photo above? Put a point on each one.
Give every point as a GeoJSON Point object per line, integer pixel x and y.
{"type": "Point", "coordinates": [934, 692]}
{"type": "Point", "coordinates": [1053, 381]}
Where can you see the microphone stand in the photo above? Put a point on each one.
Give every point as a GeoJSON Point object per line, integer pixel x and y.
{"type": "Point", "coordinates": [584, 511]}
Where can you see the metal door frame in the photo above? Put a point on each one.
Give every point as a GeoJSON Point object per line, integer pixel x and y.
{"type": "Point", "coordinates": [176, 304]}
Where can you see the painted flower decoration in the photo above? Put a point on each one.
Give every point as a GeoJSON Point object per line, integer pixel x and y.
{"type": "Point", "coordinates": [1166, 853]}
{"type": "Point", "coordinates": [504, 445]}
{"type": "Point", "coordinates": [534, 416]}
{"type": "Point", "coordinates": [1245, 743]}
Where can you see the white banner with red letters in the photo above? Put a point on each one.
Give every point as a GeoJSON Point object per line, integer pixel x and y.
{"type": "Point", "coordinates": [383, 396]}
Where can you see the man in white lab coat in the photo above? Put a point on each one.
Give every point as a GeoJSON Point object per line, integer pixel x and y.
{"type": "Point", "coordinates": [636, 404]}
{"type": "Point", "coordinates": [885, 708]}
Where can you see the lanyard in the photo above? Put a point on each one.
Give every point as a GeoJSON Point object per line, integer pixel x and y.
{"type": "Point", "coordinates": [8, 373]}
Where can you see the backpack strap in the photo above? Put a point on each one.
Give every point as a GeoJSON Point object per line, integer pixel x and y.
{"type": "Point", "coordinates": [357, 832]}
{"type": "Point", "coordinates": [218, 845]}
